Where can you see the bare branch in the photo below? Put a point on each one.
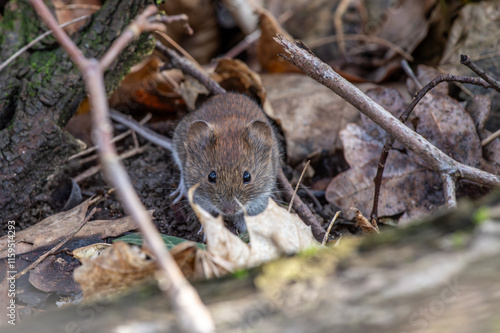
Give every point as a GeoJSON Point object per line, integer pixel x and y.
{"type": "Point", "coordinates": [192, 313]}
{"type": "Point", "coordinates": [188, 68]}
{"type": "Point", "coordinates": [404, 117]}
{"type": "Point", "coordinates": [303, 58]}
{"type": "Point", "coordinates": [467, 61]}
{"type": "Point", "coordinates": [449, 190]}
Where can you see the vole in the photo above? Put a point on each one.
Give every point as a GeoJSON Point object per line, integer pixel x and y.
{"type": "Point", "coordinates": [230, 148]}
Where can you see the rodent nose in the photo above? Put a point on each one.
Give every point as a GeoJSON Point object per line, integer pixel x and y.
{"type": "Point", "coordinates": [228, 208]}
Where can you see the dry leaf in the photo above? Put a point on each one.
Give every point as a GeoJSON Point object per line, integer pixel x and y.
{"type": "Point", "coordinates": [67, 10]}
{"type": "Point", "coordinates": [117, 269]}
{"type": "Point", "coordinates": [444, 122]}
{"type": "Point", "coordinates": [364, 224]}
{"type": "Point", "coordinates": [310, 115]}
{"type": "Point", "coordinates": [480, 111]}
{"type": "Point", "coordinates": [145, 86]}
{"type": "Point", "coordinates": [274, 232]}
{"type": "Point", "coordinates": [268, 49]}
{"type": "Point", "coordinates": [199, 264]}
{"type": "Point", "coordinates": [475, 33]}
{"type": "Point", "coordinates": [408, 191]}
{"type": "Point", "coordinates": [91, 251]}
{"type": "Point", "coordinates": [235, 75]}
{"type": "Point", "coordinates": [55, 274]}
{"type": "Point", "coordinates": [54, 228]}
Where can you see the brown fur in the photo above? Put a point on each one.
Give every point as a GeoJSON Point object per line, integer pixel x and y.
{"type": "Point", "coordinates": [229, 134]}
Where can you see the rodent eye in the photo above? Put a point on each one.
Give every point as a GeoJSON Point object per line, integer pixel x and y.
{"type": "Point", "coordinates": [246, 177]}
{"type": "Point", "coordinates": [212, 177]}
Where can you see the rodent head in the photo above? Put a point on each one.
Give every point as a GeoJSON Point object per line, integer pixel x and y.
{"type": "Point", "coordinates": [233, 166]}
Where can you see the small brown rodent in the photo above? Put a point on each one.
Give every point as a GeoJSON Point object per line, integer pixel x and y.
{"type": "Point", "coordinates": [229, 147]}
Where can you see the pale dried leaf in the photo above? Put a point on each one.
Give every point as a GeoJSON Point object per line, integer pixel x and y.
{"type": "Point", "coordinates": [117, 269]}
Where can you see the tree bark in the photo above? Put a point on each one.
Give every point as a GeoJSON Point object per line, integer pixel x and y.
{"type": "Point", "coordinates": [41, 90]}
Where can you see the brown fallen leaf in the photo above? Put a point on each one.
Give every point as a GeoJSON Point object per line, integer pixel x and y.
{"type": "Point", "coordinates": [117, 269]}
{"type": "Point", "coordinates": [56, 227]}
{"type": "Point", "coordinates": [235, 75]}
{"type": "Point", "coordinates": [475, 33]}
{"type": "Point", "coordinates": [444, 122]}
{"type": "Point", "coordinates": [145, 86]}
{"type": "Point", "coordinates": [55, 274]}
{"type": "Point", "coordinates": [274, 232]}
{"type": "Point", "coordinates": [268, 49]}
{"type": "Point", "coordinates": [69, 10]}
{"type": "Point", "coordinates": [480, 111]}
{"type": "Point", "coordinates": [408, 191]}
{"type": "Point", "coordinates": [364, 224]}
{"type": "Point", "coordinates": [310, 115]}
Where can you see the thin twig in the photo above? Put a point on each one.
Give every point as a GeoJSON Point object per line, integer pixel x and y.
{"type": "Point", "coordinates": [145, 132]}
{"type": "Point", "coordinates": [57, 247]}
{"type": "Point", "coordinates": [467, 61]}
{"type": "Point", "coordinates": [449, 190]}
{"type": "Point", "coordinates": [193, 315]}
{"type": "Point", "coordinates": [96, 168]}
{"type": "Point", "coordinates": [115, 139]}
{"type": "Point", "coordinates": [303, 58]}
{"type": "Point", "coordinates": [364, 38]}
{"type": "Point", "coordinates": [339, 26]}
{"type": "Point", "coordinates": [301, 208]}
{"type": "Point", "coordinates": [179, 48]}
{"type": "Point", "coordinates": [408, 71]}
{"type": "Point", "coordinates": [132, 31]}
{"type": "Point", "coordinates": [39, 38]}
{"type": "Point", "coordinates": [325, 239]}
{"type": "Point", "coordinates": [490, 138]}
{"type": "Point", "coordinates": [404, 117]}
{"type": "Point", "coordinates": [188, 68]}
{"type": "Point", "coordinates": [297, 187]}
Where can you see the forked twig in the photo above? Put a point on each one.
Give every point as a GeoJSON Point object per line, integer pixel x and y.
{"type": "Point", "coordinates": [303, 58]}
{"type": "Point", "coordinates": [403, 118]}
{"type": "Point", "coordinates": [193, 315]}
{"type": "Point", "coordinates": [57, 247]}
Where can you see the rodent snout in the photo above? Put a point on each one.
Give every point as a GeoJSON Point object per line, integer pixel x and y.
{"type": "Point", "coordinates": [229, 208]}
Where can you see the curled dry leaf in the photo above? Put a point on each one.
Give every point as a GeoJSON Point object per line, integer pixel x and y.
{"type": "Point", "coordinates": [364, 224]}
{"type": "Point", "coordinates": [116, 269]}
{"type": "Point", "coordinates": [268, 49]}
{"type": "Point", "coordinates": [91, 251]}
{"type": "Point", "coordinates": [272, 233]}
{"type": "Point", "coordinates": [235, 75]}
{"type": "Point", "coordinates": [69, 10]}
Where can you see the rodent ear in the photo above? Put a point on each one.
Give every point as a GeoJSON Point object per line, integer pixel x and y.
{"type": "Point", "coordinates": [200, 132]}
{"type": "Point", "coordinates": [260, 133]}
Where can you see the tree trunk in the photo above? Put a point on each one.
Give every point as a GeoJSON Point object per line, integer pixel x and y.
{"type": "Point", "coordinates": [41, 90]}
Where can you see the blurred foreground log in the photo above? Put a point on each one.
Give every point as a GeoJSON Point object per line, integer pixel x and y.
{"type": "Point", "coordinates": [439, 275]}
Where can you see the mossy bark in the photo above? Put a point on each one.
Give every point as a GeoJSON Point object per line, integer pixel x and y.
{"type": "Point", "coordinates": [41, 90]}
